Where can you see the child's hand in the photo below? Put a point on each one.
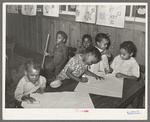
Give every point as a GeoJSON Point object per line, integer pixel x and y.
{"type": "Point", "coordinates": [46, 54]}
{"type": "Point", "coordinates": [98, 77]}
{"type": "Point", "coordinates": [28, 99]}
{"type": "Point", "coordinates": [40, 90]}
{"type": "Point", "coordinates": [108, 70]}
{"type": "Point", "coordinates": [84, 79]}
{"type": "Point", "coordinates": [119, 75]}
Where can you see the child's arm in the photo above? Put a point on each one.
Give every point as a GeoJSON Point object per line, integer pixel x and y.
{"type": "Point", "coordinates": [87, 72]}
{"type": "Point", "coordinates": [69, 74]}
{"type": "Point", "coordinates": [19, 92]}
{"type": "Point", "coordinates": [42, 87]}
{"type": "Point", "coordinates": [51, 53]}
{"type": "Point", "coordinates": [120, 75]}
{"type": "Point", "coordinates": [28, 99]}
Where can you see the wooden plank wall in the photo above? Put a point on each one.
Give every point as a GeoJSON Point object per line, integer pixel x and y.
{"type": "Point", "coordinates": [31, 32]}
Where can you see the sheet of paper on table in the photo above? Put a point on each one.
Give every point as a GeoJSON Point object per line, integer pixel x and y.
{"type": "Point", "coordinates": [60, 100]}
{"type": "Point", "coordinates": [111, 86]}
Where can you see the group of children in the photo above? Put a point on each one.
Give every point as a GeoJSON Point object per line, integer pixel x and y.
{"type": "Point", "coordinates": [88, 60]}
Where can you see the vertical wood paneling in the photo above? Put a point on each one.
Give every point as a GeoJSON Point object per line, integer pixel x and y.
{"type": "Point", "coordinates": [39, 35]}
{"type": "Point", "coordinates": [34, 32]}
{"type": "Point", "coordinates": [31, 33]}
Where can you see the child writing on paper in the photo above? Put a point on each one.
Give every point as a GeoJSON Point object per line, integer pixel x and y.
{"type": "Point", "coordinates": [31, 82]}
{"type": "Point", "coordinates": [77, 66]}
{"type": "Point", "coordinates": [124, 65]}
{"type": "Point", "coordinates": [86, 43]}
{"type": "Point", "coordinates": [102, 41]}
{"type": "Point", "coordinates": [61, 57]}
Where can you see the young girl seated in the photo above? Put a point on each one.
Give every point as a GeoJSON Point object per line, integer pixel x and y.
{"type": "Point", "coordinates": [102, 41]}
{"type": "Point", "coordinates": [86, 43]}
{"type": "Point", "coordinates": [124, 65]}
{"type": "Point", "coordinates": [77, 66]}
{"type": "Point", "coordinates": [31, 82]}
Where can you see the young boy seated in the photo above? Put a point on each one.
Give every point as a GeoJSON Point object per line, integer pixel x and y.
{"type": "Point", "coordinates": [78, 65]}
{"type": "Point", "coordinates": [86, 43]}
{"type": "Point", "coordinates": [124, 65]}
{"type": "Point", "coordinates": [31, 82]}
{"type": "Point", "coordinates": [61, 57]}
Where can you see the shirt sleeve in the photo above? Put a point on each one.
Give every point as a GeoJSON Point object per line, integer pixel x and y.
{"type": "Point", "coordinates": [113, 64]}
{"type": "Point", "coordinates": [43, 80]}
{"type": "Point", "coordinates": [135, 70]}
{"type": "Point", "coordinates": [19, 92]}
{"type": "Point", "coordinates": [105, 61]}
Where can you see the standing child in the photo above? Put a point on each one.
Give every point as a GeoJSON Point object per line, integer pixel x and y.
{"type": "Point", "coordinates": [124, 65]}
{"type": "Point", "coordinates": [102, 41]}
{"type": "Point", "coordinates": [78, 65]}
{"type": "Point", "coordinates": [31, 82]}
{"type": "Point", "coordinates": [86, 43]}
{"type": "Point", "coordinates": [61, 57]}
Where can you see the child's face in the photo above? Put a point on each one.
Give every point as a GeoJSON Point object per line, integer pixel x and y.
{"type": "Point", "coordinates": [103, 44]}
{"type": "Point", "coordinates": [86, 43]}
{"type": "Point", "coordinates": [90, 59]}
{"type": "Point", "coordinates": [124, 54]}
{"type": "Point", "coordinates": [33, 74]}
{"type": "Point", "coordinates": [59, 39]}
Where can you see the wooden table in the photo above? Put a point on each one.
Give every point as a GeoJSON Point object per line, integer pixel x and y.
{"type": "Point", "coordinates": [131, 90]}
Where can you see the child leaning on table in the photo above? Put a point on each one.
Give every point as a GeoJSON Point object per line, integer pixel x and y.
{"type": "Point", "coordinates": [31, 82]}
{"type": "Point", "coordinates": [61, 57]}
{"type": "Point", "coordinates": [102, 41]}
{"type": "Point", "coordinates": [124, 65]}
{"type": "Point", "coordinates": [78, 65]}
{"type": "Point", "coordinates": [86, 43]}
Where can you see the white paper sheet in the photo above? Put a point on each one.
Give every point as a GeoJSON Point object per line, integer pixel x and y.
{"type": "Point", "coordinates": [86, 13]}
{"type": "Point", "coordinates": [111, 15]}
{"type": "Point", "coordinates": [111, 86]}
{"type": "Point", "coordinates": [51, 10]}
{"type": "Point", "coordinates": [29, 10]}
{"type": "Point", "coordinates": [12, 9]}
{"type": "Point", "coordinates": [61, 100]}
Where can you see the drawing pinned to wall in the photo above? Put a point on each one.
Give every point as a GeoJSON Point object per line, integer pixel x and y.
{"type": "Point", "coordinates": [29, 10]}
{"type": "Point", "coordinates": [12, 9]}
{"type": "Point", "coordinates": [51, 10]}
{"type": "Point", "coordinates": [111, 15]}
{"type": "Point", "coordinates": [86, 13]}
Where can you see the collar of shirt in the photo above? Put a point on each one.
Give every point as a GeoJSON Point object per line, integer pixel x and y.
{"type": "Point", "coordinates": [26, 78]}
{"type": "Point", "coordinates": [99, 49]}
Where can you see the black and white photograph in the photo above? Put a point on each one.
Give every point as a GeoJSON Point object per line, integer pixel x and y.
{"type": "Point", "coordinates": [74, 61]}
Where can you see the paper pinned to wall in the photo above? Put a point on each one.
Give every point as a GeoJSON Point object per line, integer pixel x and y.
{"type": "Point", "coordinates": [51, 10]}
{"type": "Point", "coordinates": [29, 10]}
{"type": "Point", "coordinates": [61, 100]}
{"type": "Point", "coordinates": [111, 86]}
{"type": "Point", "coordinates": [111, 15]}
{"type": "Point", "coordinates": [12, 9]}
{"type": "Point", "coordinates": [86, 13]}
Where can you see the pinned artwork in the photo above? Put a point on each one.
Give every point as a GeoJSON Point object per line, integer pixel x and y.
{"type": "Point", "coordinates": [51, 10]}
{"type": "Point", "coordinates": [29, 10]}
{"type": "Point", "coordinates": [86, 13]}
{"type": "Point", "coordinates": [12, 9]}
{"type": "Point", "coordinates": [111, 15]}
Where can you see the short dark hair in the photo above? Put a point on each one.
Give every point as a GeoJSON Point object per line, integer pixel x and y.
{"type": "Point", "coordinates": [94, 51]}
{"type": "Point", "coordinates": [33, 64]}
{"type": "Point", "coordinates": [100, 36]}
{"type": "Point", "coordinates": [63, 34]}
{"type": "Point", "coordinates": [129, 46]}
{"type": "Point", "coordinates": [88, 37]}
